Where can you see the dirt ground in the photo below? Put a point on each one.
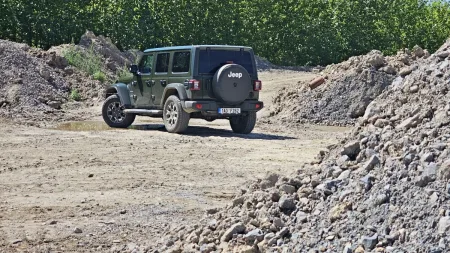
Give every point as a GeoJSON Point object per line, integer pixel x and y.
{"type": "Point", "coordinates": [83, 187]}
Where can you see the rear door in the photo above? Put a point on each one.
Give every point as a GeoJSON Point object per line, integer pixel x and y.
{"type": "Point", "coordinates": [180, 67]}
{"type": "Point", "coordinates": [160, 78]}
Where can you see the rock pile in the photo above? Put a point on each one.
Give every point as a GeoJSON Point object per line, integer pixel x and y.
{"type": "Point", "coordinates": [36, 84]}
{"type": "Point", "coordinates": [350, 87]}
{"type": "Point", "coordinates": [385, 188]}
{"type": "Point", "coordinates": [30, 84]}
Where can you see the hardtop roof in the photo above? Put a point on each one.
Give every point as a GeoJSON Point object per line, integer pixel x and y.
{"type": "Point", "coordinates": [191, 47]}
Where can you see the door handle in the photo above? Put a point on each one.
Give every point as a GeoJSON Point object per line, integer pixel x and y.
{"type": "Point", "coordinates": [163, 82]}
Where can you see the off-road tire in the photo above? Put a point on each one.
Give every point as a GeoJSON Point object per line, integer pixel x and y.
{"type": "Point", "coordinates": [113, 115]}
{"type": "Point", "coordinates": [176, 120]}
{"type": "Point", "coordinates": [243, 124]}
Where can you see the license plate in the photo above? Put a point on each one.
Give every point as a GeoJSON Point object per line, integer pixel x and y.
{"type": "Point", "coordinates": [229, 110]}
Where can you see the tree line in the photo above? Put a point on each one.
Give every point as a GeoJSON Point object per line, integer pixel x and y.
{"type": "Point", "coordinates": [288, 32]}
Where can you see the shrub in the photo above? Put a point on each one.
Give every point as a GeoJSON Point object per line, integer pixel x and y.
{"type": "Point", "coordinates": [74, 95]}
{"type": "Point", "coordinates": [87, 61]}
{"type": "Point", "coordinates": [99, 76]}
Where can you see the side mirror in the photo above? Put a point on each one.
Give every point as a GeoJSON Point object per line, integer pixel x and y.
{"type": "Point", "coordinates": [134, 69]}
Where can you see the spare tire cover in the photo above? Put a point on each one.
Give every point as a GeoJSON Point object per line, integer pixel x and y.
{"type": "Point", "coordinates": [232, 84]}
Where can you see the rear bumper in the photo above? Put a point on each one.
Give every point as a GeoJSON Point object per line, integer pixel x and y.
{"type": "Point", "coordinates": [212, 107]}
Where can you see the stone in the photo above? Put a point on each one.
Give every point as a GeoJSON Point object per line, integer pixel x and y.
{"type": "Point", "coordinates": [344, 175]}
{"type": "Point", "coordinates": [351, 149]}
{"type": "Point", "coordinates": [238, 201]}
{"type": "Point", "coordinates": [45, 74]}
{"type": "Point", "coordinates": [359, 250]}
{"type": "Point", "coordinates": [301, 216]}
{"type": "Point", "coordinates": [338, 211]}
{"type": "Point", "coordinates": [381, 199]}
{"type": "Point", "coordinates": [369, 242]}
{"type": "Point", "coordinates": [16, 241]}
{"type": "Point", "coordinates": [427, 157]}
{"type": "Point", "coordinates": [367, 181]}
{"type": "Point", "coordinates": [434, 198]}
{"type": "Point", "coordinates": [444, 170]}
{"type": "Point", "coordinates": [414, 89]}
{"type": "Point", "coordinates": [406, 71]}
{"type": "Point", "coordinates": [348, 249]}
{"type": "Point", "coordinates": [278, 222]}
{"type": "Point", "coordinates": [381, 123]}
{"type": "Point", "coordinates": [418, 51]}
{"type": "Point", "coordinates": [256, 234]}
{"type": "Point", "coordinates": [269, 181]}
{"type": "Point", "coordinates": [212, 210]}
{"type": "Point", "coordinates": [68, 71]}
{"type": "Point", "coordinates": [286, 203]}
{"type": "Point", "coordinates": [371, 163]}
{"type": "Point", "coordinates": [54, 104]}
{"type": "Point", "coordinates": [443, 54]}
{"type": "Point", "coordinates": [78, 231]}
{"type": "Point", "coordinates": [444, 225]}
{"type": "Point", "coordinates": [375, 58]}
{"type": "Point", "coordinates": [389, 70]}
{"type": "Point", "coordinates": [342, 160]}
{"type": "Point", "coordinates": [208, 248]}
{"type": "Point", "coordinates": [269, 237]}
{"type": "Point", "coordinates": [237, 228]}
{"type": "Point", "coordinates": [409, 122]}
{"type": "Point", "coordinates": [289, 189]}
{"type": "Point", "coordinates": [284, 231]}
{"type": "Point", "coordinates": [371, 110]}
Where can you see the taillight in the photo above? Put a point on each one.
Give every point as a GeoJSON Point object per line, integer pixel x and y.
{"type": "Point", "coordinates": [257, 106]}
{"type": "Point", "coordinates": [194, 84]}
{"type": "Point", "coordinates": [199, 106]}
{"type": "Point", "coordinates": [257, 86]}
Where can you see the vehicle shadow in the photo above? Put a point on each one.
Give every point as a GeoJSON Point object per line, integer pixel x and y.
{"type": "Point", "coordinates": [203, 131]}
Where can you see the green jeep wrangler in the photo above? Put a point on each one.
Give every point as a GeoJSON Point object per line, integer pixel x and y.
{"type": "Point", "coordinates": [179, 83]}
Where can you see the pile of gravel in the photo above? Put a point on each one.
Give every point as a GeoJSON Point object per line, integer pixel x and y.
{"type": "Point", "coordinates": [36, 84]}
{"type": "Point", "coordinates": [349, 88]}
{"type": "Point", "coordinates": [30, 87]}
{"type": "Point", "coordinates": [385, 188]}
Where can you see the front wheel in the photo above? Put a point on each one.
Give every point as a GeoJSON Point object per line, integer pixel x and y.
{"type": "Point", "coordinates": [176, 120]}
{"type": "Point", "coordinates": [243, 124]}
{"type": "Point", "coordinates": [113, 115]}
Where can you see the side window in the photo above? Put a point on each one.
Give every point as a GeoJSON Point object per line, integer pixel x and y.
{"type": "Point", "coordinates": [162, 63]}
{"type": "Point", "coordinates": [146, 64]}
{"type": "Point", "coordinates": [181, 61]}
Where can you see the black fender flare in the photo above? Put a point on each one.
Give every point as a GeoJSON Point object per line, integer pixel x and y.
{"type": "Point", "coordinates": [172, 89]}
{"type": "Point", "coordinates": [122, 91]}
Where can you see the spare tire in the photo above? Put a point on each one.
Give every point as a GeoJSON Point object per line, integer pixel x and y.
{"type": "Point", "coordinates": [232, 84]}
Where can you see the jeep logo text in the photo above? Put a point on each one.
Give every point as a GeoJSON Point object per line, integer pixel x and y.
{"type": "Point", "coordinates": [235, 75]}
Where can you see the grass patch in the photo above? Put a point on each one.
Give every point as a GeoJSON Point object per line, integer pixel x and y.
{"type": "Point", "coordinates": [87, 61]}
{"type": "Point", "coordinates": [75, 95]}
{"type": "Point", "coordinates": [99, 76]}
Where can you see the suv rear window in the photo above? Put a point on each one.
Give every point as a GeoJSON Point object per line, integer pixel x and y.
{"type": "Point", "coordinates": [181, 62]}
{"type": "Point", "coordinates": [162, 63]}
{"type": "Point", "coordinates": [211, 60]}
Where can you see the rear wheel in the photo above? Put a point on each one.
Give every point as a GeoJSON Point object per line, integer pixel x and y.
{"type": "Point", "coordinates": [176, 120]}
{"type": "Point", "coordinates": [113, 115]}
{"type": "Point", "coordinates": [243, 124]}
